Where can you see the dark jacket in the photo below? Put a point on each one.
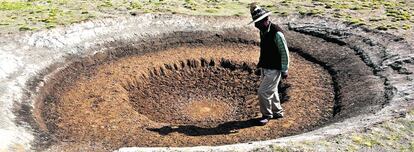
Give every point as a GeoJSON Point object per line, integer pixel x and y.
{"type": "Point", "coordinates": [270, 56]}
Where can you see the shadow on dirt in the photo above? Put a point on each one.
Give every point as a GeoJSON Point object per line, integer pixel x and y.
{"type": "Point", "coordinates": [222, 129]}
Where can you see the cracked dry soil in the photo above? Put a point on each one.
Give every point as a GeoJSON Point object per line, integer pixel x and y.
{"type": "Point", "coordinates": [181, 96]}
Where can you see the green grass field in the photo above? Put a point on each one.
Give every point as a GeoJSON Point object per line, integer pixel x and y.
{"type": "Point", "coordinates": [23, 15]}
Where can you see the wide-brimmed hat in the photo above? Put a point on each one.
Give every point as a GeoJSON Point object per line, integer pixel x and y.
{"type": "Point", "coordinates": [258, 13]}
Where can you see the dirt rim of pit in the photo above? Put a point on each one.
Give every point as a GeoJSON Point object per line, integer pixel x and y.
{"type": "Point", "coordinates": [358, 91]}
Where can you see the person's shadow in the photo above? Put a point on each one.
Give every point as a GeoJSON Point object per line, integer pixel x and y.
{"type": "Point", "coordinates": [222, 129]}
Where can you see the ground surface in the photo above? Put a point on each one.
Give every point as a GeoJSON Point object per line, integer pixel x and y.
{"type": "Point", "coordinates": [392, 16]}
{"type": "Point", "coordinates": [393, 135]}
{"type": "Point", "coordinates": [192, 105]}
{"type": "Point", "coordinates": [396, 16]}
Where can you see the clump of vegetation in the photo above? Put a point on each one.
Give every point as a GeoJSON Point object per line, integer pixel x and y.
{"type": "Point", "coordinates": [211, 10]}
{"type": "Point", "coordinates": [24, 28]}
{"type": "Point", "coordinates": [239, 14]}
{"type": "Point", "coordinates": [356, 21]}
{"type": "Point", "coordinates": [406, 26]}
{"type": "Point", "coordinates": [13, 6]}
{"type": "Point", "coordinates": [311, 12]}
{"type": "Point", "coordinates": [357, 7]}
{"type": "Point", "coordinates": [135, 5]}
{"type": "Point", "coordinates": [340, 15]}
{"type": "Point", "coordinates": [376, 19]}
{"type": "Point", "coordinates": [366, 141]}
{"type": "Point", "coordinates": [284, 13]}
{"type": "Point", "coordinates": [411, 146]}
{"type": "Point", "coordinates": [190, 4]}
{"type": "Point", "coordinates": [107, 3]}
{"type": "Point", "coordinates": [398, 15]}
{"type": "Point", "coordinates": [341, 6]}
{"type": "Point", "coordinates": [287, 2]}
{"type": "Point", "coordinates": [385, 27]}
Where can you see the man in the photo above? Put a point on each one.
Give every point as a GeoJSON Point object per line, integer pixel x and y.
{"type": "Point", "coordinates": [273, 62]}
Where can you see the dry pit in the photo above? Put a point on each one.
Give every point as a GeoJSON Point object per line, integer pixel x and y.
{"type": "Point", "coordinates": [196, 86]}
{"type": "Point", "coordinates": [183, 96]}
{"type": "Point", "coordinates": [187, 95]}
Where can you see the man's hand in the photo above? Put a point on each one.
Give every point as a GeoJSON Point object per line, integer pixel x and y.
{"type": "Point", "coordinates": [284, 74]}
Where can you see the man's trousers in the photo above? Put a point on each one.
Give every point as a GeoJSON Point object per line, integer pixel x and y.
{"type": "Point", "coordinates": [268, 93]}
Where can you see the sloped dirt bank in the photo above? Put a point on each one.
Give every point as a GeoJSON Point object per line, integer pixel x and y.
{"type": "Point", "coordinates": [136, 101]}
{"type": "Point", "coordinates": [185, 96]}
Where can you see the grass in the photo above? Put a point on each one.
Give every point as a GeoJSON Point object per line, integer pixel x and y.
{"type": "Point", "coordinates": [41, 14]}
{"type": "Point", "coordinates": [5, 6]}
{"type": "Point", "coordinates": [385, 27]}
{"type": "Point", "coordinates": [406, 26]}
{"type": "Point", "coordinates": [365, 141]}
{"type": "Point", "coordinates": [135, 5]}
{"type": "Point", "coordinates": [356, 21]}
{"type": "Point", "coordinates": [279, 149]}
{"type": "Point", "coordinates": [311, 12]}
{"type": "Point", "coordinates": [38, 14]}
{"type": "Point", "coordinates": [391, 135]}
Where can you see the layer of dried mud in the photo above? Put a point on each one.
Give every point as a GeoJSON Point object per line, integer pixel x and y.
{"type": "Point", "coordinates": [184, 96]}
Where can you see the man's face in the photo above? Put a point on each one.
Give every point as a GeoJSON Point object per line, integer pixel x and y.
{"type": "Point", "coordinates": [262, 24]}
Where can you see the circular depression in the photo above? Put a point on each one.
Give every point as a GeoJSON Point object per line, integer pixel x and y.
{"type": "Point", "coordinates": [181, 96]}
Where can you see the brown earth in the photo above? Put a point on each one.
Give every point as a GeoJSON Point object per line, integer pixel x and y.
{"type": "Point", "coordinates": [197, 92]}
{"type": "Point", "coordinates": [177, 97]}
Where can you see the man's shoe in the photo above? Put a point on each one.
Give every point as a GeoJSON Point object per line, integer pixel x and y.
{"type": "Point", "coordinates": [278, 115]}
{"type": "Point", "coordinates": [264, 120]}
